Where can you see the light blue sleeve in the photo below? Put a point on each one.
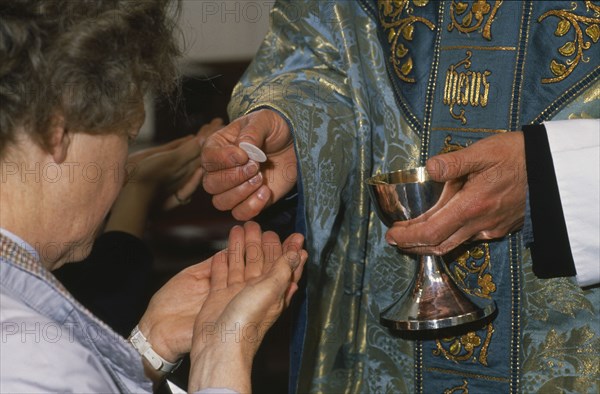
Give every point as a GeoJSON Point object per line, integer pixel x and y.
{"type": "Point", "coordinates": [41, 356]}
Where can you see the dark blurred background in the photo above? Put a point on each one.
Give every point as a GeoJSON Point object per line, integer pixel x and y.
{"type": "Point", "coordinates": [196, 231]}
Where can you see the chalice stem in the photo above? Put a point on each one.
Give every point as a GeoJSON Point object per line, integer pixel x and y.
{"type": "Point", "coordinates": [434, 301]}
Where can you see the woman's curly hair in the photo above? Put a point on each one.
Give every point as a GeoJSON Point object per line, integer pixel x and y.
{"type": "Point", "coordinates": [88, 60]}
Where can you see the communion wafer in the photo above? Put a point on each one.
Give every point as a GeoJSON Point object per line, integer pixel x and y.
{"type": "Point", "coordinates": [254, 153]}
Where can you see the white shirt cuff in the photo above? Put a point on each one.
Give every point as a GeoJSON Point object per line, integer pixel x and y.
{"type": "Point", "coordinates": [575, 148]}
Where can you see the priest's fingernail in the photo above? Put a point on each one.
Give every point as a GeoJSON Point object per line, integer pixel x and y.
{"type": "Point", "coordinates": [263, 193]}
{"type": "Point", "coordinates": [256, 180]}
{"type": "Point", "coordinates": [250, 168]}
{"type": "Point", "coordinates": [391, 242]}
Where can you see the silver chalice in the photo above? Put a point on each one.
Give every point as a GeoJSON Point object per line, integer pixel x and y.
{"type": "Point", "coordinates": [433, 300]}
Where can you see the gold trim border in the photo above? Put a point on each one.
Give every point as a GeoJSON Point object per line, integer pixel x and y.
{"type": "Point", "coordinates": [468, 130]}
{"type": "Point", "coordinates": [546, 115]}
{"type": "Point", "coordinates": [424, 154]}
{"type": "Point", "coordinates": [468, 374]}
{"type": "Point", "coordinates": [477, 47]}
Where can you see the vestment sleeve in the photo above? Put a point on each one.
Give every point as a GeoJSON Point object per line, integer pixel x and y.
{"type": "Point", "coordinates": [298, 67]}
{"type": "Point", "coordinates": [562, 170]}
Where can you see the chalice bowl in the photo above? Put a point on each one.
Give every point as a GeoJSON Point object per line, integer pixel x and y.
{"type": "Point", "coordinates": [433, 301]}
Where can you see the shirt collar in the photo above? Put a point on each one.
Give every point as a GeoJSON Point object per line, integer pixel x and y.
{"type": "Point", "coordinates": [21, 242]}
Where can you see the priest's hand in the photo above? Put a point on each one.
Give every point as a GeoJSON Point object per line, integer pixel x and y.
{"type": "Point", "coordinates": [483, 199]}
{"type": "Point", "coordinates": [242, 185]}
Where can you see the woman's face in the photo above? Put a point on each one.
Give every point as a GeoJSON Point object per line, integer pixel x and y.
{"type": "Point", "coordinates": [95, 166]}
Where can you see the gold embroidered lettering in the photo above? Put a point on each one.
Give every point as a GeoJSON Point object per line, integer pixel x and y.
{"type": "Point", "coordinates": [486, 88]}
{"type": "Point", "coordinates": [465, 88]}
{"type": "Point", "coordinates": [447, 87]}
{"type": "Point", "coordinates": [464, 388]}
{"type": "Point", "coordinates": [474, 96]}
{"type": "Point", "coordinates": [451, 147]}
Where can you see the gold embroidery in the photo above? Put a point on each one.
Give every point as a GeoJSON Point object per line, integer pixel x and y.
{"type": "Point", "coordinates": [464, 387]}
{"type": "Point", "coordinates": [591, 6]}
{"type": "Point", "coordinates": [475, 261]}
{"type": "Point", "coordinates": [474, 18]}
{"type": "Point", "coordinates": [465, 88]}
{"type": "Point", "coordinates": [450, 147]}
{"type": "Point", "coordinates": [573, 50]}
{"type": "Point", "coordinates": [397, 19]}
{"type": "Point", "coordinates": [463, 348]}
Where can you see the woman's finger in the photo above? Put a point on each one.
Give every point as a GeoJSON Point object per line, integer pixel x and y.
{"type": "Point", "coordinates": [236, 255]}
{"type": "Point", "coordinates": [253, 250]}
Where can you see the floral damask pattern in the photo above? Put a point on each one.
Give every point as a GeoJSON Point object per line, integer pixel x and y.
{"type": "Point", "coordinates": [564, 359]}
{"type": "Point", "coordinates": [569, 359]}
{"type": "Point", "coordinates": [560, 295]}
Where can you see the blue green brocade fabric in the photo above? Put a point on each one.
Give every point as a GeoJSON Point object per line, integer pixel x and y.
{"type": "Point", "coordinates": [371, 87]}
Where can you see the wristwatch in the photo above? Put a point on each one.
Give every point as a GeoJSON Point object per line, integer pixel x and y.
{"type": "Point", "coordinates": [141, 344]}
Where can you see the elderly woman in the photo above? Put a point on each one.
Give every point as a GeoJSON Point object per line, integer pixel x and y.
{"type": "Point", "coordinates": [72, 78]}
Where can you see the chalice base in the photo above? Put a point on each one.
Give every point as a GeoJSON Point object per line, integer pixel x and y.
{"type": "Point", "coordinates": [433, 301]}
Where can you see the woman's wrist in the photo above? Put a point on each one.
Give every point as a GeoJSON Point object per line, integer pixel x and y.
{"type": "Point", "coordinates": [220, 364]}
{"type": "Point", "coordinates": [155, 376]}
{"type": "Point", "coordinates": [159, 342]}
